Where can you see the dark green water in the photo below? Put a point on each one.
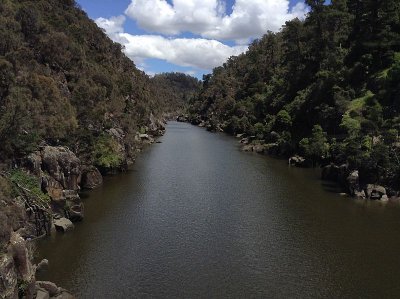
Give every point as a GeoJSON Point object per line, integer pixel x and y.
{"type": "Point", "coordinates": [197, 218]}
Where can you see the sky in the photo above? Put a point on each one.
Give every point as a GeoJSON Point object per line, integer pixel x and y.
{"type": "Point", "coordinates": [189, 36]}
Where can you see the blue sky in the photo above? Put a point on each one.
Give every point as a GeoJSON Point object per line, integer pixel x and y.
{"type": "Point", "coordinates": [191, 36]}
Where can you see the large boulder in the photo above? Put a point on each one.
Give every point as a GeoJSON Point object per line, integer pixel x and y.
{"type": "Point", "coordinates": [375, 192]}
{"type": "Point", "coordinates": [63, 165]}
{"type": "Point", "coordinates": [63, 224]}
{"type": "Point", "coordinates": [297, 161]}
{"type": "Point", "coordinates": [156, 126]}
{"type": "Point", "coordinates": [91, 178]}
{"type": "Point", "coordinates": [76, 212]}
{"type": "Point", "coordinates": [353, 182]}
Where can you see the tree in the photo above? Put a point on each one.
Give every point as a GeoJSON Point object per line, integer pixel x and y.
{"type": "Point", "coordinates": [316, 147]}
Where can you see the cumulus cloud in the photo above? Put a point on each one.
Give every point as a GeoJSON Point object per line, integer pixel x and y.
{"type": "Point", "coordinates": [191, 52]}
{"type": "Point", "coordinates": [199, 53]}
{"type": "Point", "coordinates": [206, 18]}
{"type": "Point", "coordinates": [113, 25]}
{"type": "Point", "coordinates": [249, 18]}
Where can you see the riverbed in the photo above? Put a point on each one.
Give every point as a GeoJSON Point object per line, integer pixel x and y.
{"type": "Point", "coordinates": [198, 218]}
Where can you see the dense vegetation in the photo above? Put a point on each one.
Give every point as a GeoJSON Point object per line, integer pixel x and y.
{"type": "Point", "coordinates": [175, 90]}
{"type": "Point", "coordinates": [63, 81]}
{"type": "Point", "coordinates": [327, 87]}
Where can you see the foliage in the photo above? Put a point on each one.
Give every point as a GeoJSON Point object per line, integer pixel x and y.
{"type": "Point", "coordinates": [328, 86]}
{"type": "Point", "coordinates": [316, 147]}
{"type": "Point", "coordinates": [63, 79]}
{"type": "Point", "coordinates": [107, 152]}
{"type": "Point", "coordinates": [29, 182]}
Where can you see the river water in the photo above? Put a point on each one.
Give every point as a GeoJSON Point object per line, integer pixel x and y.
{"type": "Point", "coordinates": [198, 218]}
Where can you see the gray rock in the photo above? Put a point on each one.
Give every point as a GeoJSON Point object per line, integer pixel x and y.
{"type": "Point", "coordinates": [360, 194]}
{"type": "Point", "coordinates": [116, 133]}
{"type": "Point", "coordinates": [42, 294]}
{"type": "Point", "coordinates": [297, 161]}
{"type": "Point", "coordinates": [247, 148]}
{"type": "Point", "coordinates": [91, 178]}
{"type": "Point", "coordinates": [353, 182]}
{"type": "Point", "coordinates": [43, 265]}
{"type": "Point", "coordinates": [64, 295]}
{"type": "Point", "coordinates": [384, 198]}
{"type": "Point", "coordinates": [62, 165]}
{"type": "Point", "coordinates": [49, 287]}
{"type": "Point", "coordinates": [259, 148]}
{"type": "Point", "coordinates": [144, 136]}
{"type": "Point", "coordinates": [375, 191]}
{"type": "Point", "coordinates": [76, 212]}
{"type": "Point", "coordinates": [244, 141]}
{"type": "Point", "coordinates": [63, 224]}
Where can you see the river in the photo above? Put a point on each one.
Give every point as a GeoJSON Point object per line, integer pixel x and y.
{"type": "Point", "coordinates": [198, 218]}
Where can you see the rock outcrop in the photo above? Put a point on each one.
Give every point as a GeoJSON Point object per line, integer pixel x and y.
{"type": "Point", "coordinates": [60, 172]}
{"type": "Point", "coordinates": [91, 177]}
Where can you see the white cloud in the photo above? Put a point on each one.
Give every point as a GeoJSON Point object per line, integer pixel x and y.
{"type": "Point", "coordinates": [199, 53]}
{"type": "Point", "coordinates": [113, 25]}
{"type": "Point", "coordinates": [249, 18]}
{"type": "Point", "coordinates": [196, 52]}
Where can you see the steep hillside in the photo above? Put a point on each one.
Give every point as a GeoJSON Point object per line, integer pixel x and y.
{"type": "Point", "coordinates": [63, 81]}
{"type": "Point", "coordinates": [326, 88]}
{"type": "Point", "coordinates": [71, 104]}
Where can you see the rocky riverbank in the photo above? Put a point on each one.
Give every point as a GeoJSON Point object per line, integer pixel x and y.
{"type": "Point", "coordinates": [39, 196]}
{"type": "Point", "coordinates": [348, 179]}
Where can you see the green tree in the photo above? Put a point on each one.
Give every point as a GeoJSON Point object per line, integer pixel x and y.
{"type": "Point", "coordinates": [316, 147]}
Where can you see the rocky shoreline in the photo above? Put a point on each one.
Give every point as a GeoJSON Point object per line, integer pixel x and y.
{"type": "Point", "coordinates": [348, 179]}
{"type": "Point", "coordinates": [24, 218]}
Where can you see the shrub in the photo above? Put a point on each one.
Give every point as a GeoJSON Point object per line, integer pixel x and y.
{"type": "Point", "coordinates": [107, 152]}
{"type": "Point", "coordinates": [29, 182]}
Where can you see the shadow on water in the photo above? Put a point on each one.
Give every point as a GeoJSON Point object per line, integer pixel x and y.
{"type": "Point", "coordinates": [198, 218]}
